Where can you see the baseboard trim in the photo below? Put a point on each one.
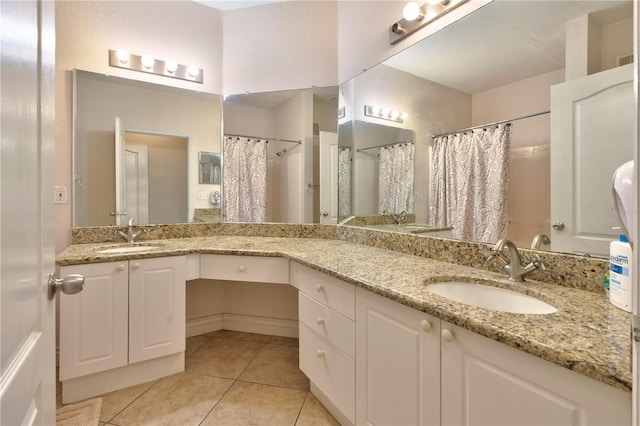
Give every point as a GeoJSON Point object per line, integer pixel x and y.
{"type": "Point", "coordinates": [203, 325]}
{"type": "Point", "coordinates": [246, 323]}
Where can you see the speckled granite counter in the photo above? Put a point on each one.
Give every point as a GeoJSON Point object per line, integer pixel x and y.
{"type": "Point", "coordinates": [587, 334]}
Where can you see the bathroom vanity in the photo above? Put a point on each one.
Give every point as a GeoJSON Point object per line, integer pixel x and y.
{"type": "Point", "coordinates": [377, 346]}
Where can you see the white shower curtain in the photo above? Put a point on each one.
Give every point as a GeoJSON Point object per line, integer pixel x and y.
{"type": "Point", "coordinates": [470, 183]}
{"type": "Point", "coordinates": [245, 179]}
{"type": "Point", "coordinates": [344, 183]}
{"type": "Point", "coordinates": [395, 178]}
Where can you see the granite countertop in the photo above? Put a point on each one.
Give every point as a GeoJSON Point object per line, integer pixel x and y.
{"type": "Point", "coordinates": [412, 228]}
{"type": "Point", "coordinates": [587, 334]}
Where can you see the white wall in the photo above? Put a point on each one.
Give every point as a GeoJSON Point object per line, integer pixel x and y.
{"type": "Point", "coordinates": [86, 30]}
{"type": "Point", "coordinates": [280, 46]}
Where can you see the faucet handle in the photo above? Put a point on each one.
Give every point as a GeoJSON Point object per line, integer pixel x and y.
{"type": "Point", "coordinates": [538, 263]}
{"type": "Point", "coordinates": [499, 256]}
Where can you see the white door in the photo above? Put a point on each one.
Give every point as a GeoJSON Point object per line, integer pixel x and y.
{"type": "Point", "coordinates": [137, 186]}
{"type": "Point", "coordinates": [121, 175]}
{"type": "Point", "coordinates": [328, 177]}
{"type": "Point", "coordinates": [27, 253]}
{"type": "Point", "coordinates": [581, 204]}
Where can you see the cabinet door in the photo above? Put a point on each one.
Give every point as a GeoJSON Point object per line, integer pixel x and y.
{"type": "Point", "coordinates": [156, 307]}
{"type": "Point", "coordinates": [485, 382]}
{"type": "Point", "coordinates": [397, 363]}
{"type": "Point", "coordinates": [93, 323]}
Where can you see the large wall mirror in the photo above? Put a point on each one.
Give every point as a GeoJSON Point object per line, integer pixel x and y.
{"type": "Point", "coordinates": [561, 64]}
{"type": "Point", "coordinates": [156, 132]}
{"type": "Point", "coordinates": [297, 128]}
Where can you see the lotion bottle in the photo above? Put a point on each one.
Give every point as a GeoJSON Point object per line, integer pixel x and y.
{"type": "Point", "coordinates": [620, 273]}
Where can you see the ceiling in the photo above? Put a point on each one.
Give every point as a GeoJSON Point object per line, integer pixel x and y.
{"type": "Point", "coordinates": [234, 4]}
{"type": "Point", "coordinates": [503, 42]}
{"type": "Point", "coordinates": [328, 95]}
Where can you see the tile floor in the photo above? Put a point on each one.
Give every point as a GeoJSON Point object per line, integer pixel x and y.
{"type": "Point", "coordinates": [231, 378]}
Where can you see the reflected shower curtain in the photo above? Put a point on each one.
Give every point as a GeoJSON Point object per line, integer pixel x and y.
{"type": "Point", "coordinates": [344, 183]}
{"type": "Point", "coordinates": [395, 178]}
{"type": "Point", "coordinates": [470, 183]}
{"type": "Point", "coordinates": [245, 179]}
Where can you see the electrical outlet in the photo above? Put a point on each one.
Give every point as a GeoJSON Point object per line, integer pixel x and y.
{"type": "Point", "coordinates": [60, 193]}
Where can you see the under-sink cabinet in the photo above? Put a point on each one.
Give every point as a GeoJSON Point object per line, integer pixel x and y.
{"type": "Point", "coordinates": [413, 369]}
{"type": "Point", "coordinates": [486, 382]}
{"type": "Point", "coordinates": [398, 363]}
{"type": "Point", "coordinates": [326, 311]}
{"type": "Point", "coordinates": [127, 313]}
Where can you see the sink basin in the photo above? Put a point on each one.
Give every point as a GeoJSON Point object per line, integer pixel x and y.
{"type": "Point", "coordinates": [128, 248]}
{"type": "Point", "coordinates": [488, 297]}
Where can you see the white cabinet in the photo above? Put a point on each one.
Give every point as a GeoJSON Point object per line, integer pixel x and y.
{"type": "Point", "coordinates": [485, 382]}
{"type": "Point", "coordinates": [326, 311]}
{"type": "Point", "coordinates": [128, 312]}
{"type": "Point", "coordinates": [398, 363]}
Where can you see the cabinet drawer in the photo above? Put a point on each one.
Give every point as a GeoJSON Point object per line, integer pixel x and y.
{"type": "Point", "coordinates": [334, 293]}
{"type": "Point", "coordinates": [244, 268]}
{"type": "Point", "coordinates": [336, 328]}
{"type": "Point", "coordinates": [330, 369]}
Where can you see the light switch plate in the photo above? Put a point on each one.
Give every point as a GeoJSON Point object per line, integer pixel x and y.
{"type": "Point", "coordinates": [60, 194]}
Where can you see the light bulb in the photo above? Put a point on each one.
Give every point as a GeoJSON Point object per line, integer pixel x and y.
{"type": "Point", "coordinates": [123, 56]}
{"type": "Point", "coordinates": [404, 116]}
{"type": "Point", "coordinates": [394, 114]}
{"type": "Point", "coordinates": [385, 112]}
{"type": "Point", "coordinates": [375, 110]}
{"type": "Point", "coordinates": [193, 71]}
{"type": "Point", "coordinates": [171, 65]}
{"type": "Point", "coordinates": [148, 61]}
{"type": "Point", "coordinates": [412, 11]}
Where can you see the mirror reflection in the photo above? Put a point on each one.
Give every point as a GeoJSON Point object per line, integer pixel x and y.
{"type": "Point", "coordinates": [135, 151]}
{"type": "Point", "coordinates": [505, 61]}
{"type": "Point", "coordinates": [273, 144]}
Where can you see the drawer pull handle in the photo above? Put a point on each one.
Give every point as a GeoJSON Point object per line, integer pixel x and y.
{"type": "Point", "coordinates": [320, 353]}
{"type": "Point", "coordinates": [120, 268]}
{"type": "Point", "coordinates": [136, 265]}
{"type": "Point", "coordinates": [319, 288]}
{"type": "Point", "coordinates": [320, 321]}
{"type": "Point", "coordinates": [447, 335]}
{"type": "Point", "coordinates": [241, 268]}
{"type": "Point", "coordinates": [426, 325]}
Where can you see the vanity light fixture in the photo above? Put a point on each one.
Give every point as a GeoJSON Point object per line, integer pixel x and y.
{"type": "Point", "coordinates": [416, 17]}
{"type": "Point", "coordinates": [385, 113]}
{"type": "Point", "coordinates": [151, 65]}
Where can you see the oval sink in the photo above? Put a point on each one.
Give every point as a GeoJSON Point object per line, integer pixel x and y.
{"type": "Point", "coordinates": [488, 297]}
{"type": "Point", "coordinates": [128, 248]}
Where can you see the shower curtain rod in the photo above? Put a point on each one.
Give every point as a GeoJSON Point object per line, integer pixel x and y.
{"type": "Point", "coordinates": [382, 146]}
{"type": "Point", "coordinates": [299, 142]}
{"type": "Point", "coordinates": [491, 124]}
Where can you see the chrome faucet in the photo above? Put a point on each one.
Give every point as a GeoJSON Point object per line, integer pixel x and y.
{"type": "Point", "coordinates": [514, 267]}
{"type": "Point", "coordinates": [131, 236]}
{"type": "Point", "coordinates": [538, 240]}
{"type": "Point", "coordinates": [398, 218]}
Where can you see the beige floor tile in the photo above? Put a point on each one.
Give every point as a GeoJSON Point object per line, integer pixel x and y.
{"type": "Point", "coordinates": [116, 401]}
{"type": "Point", "coordinates": [255, 404]}
{"type": "Point", "coordinates": [239, 335]}
{"type": "Point", "coordinates": [194, 343]}
{"type": "Point", "coordinates": [276, 365]}
{"type": "Point", "coordinates": [287, 341]}
{"type": "Point", "coordinates": [181, 399]}
{"type": "Point", "coordinates": [313, 413]}
{"type": "Point", "coordinates": [222, 357]}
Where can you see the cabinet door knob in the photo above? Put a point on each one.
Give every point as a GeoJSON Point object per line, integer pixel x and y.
{"type": "Point", "coordinates": [120, 268]}
{"type": "Point", "coordinates": [241, 268]}
{"type": "Point", "coordinates": [447, 335]}
{"type": "Point", "coordinates": [135, 265]}
{"type": "Point", "coordinates": [319, 321]}
{"type": "Point", "coordinates": [426, 325]}
{"type": "Point", "coordinates": [319, 287]}
{"type": "Point", "coordinates": [320, 353]}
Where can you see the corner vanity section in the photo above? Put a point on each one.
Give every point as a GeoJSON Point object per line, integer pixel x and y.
{"type": "Point", "coordinates": [378, 347]}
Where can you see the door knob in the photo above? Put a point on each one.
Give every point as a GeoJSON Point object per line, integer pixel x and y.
{"type": "Point", "coordinates": [325, 214]}
{"type": "Point", "coordinates": [558, 226]}
{"type": "Point", "coordinates": [70, 284]}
